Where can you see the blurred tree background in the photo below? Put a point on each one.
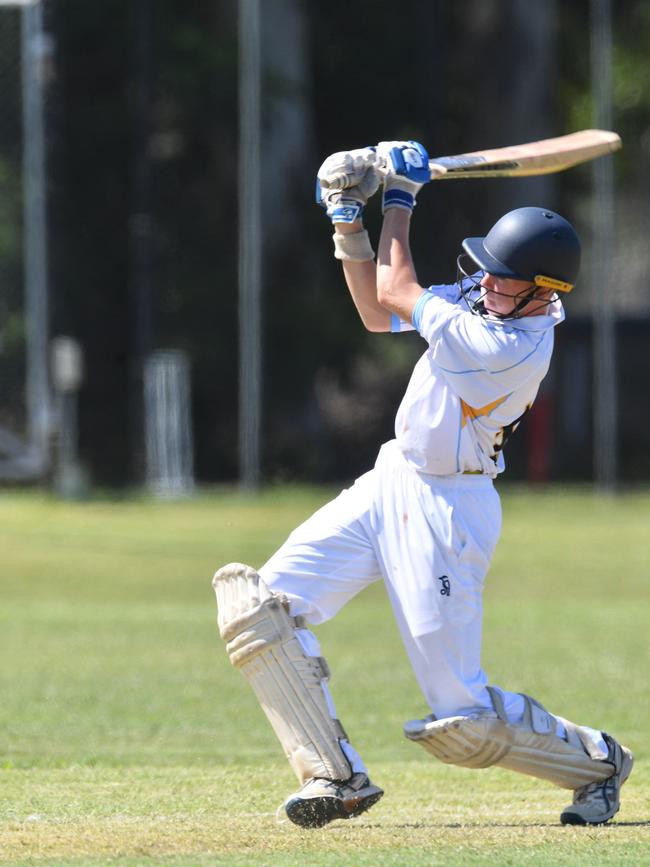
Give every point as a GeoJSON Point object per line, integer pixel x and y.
{"type": "Point", "coordinates": [143, 207]}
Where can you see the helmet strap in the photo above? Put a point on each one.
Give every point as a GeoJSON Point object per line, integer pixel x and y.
{"type": "Point", "coordinates": [527, 299]}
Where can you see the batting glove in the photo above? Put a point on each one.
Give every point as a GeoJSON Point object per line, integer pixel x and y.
{"type": "Point", "coordinates": [346, 168]}
{"type": "Point", "coordinates": [405, 165]}
{"type": "Point", "coordinates": [346, 206]}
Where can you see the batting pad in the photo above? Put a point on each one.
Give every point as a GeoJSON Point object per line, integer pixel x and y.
{"type": "Point", "coordinates": [261, 641]}
{"type": "Point", "coordinates": [530, 747]}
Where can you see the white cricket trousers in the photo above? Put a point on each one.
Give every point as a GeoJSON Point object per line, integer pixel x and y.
{"type": "Point", "coordinates": [430, 538]}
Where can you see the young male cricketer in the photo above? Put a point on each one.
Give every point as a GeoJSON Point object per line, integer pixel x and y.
{"type": "Point", "coordinates": [426, 518]}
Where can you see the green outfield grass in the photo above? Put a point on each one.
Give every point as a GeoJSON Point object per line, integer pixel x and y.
{"type": "Point", "coordinates": [127, 738]}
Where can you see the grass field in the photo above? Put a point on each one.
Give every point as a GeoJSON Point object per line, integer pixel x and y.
{"type": "Point", "coordinates": [126, 737]}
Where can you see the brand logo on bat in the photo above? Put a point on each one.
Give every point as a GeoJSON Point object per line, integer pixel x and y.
{"type": "Point", "coordinates": [445, 585]}
{"type": "Point", "coordinates": [462, 163]}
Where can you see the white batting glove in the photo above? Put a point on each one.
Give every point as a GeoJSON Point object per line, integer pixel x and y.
{"type": "Point", "coordinates": [346, 168]}
{"type": "Point", "coordinates": [346, 206]}
{"type": "Point", "coordinates": [405, 168]}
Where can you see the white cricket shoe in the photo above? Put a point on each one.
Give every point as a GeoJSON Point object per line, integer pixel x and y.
{"type": "Point", "coordinates": [321, 801]}
{"type": "Point", "coordinates": [596, 803]}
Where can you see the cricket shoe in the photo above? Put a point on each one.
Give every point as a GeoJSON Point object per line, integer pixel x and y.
{"type": "Point", "coordinates": [596, 803]}
{"type": "Point", "coordinates": [321, 801]}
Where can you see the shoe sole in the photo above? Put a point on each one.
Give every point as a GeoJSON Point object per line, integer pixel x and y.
{"type": "Point", "coordinates": [317, 812]}
{"type": "Point", "coordinates": [570, 818]}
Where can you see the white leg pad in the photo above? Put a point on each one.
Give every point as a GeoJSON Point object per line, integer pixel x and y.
{"type": "Point", "coordinates": [486, 738]}
{"type": "Point", "coordinates": [261, 641]}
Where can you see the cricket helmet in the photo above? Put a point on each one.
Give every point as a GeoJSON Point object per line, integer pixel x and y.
{"type": "Point", "coordinates": [532, 244]}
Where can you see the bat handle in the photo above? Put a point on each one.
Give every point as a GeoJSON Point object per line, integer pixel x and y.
{"type": "Point", "coordinates": [436, 170]}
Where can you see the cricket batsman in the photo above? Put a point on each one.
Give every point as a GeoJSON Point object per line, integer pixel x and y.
{"type": "Point", "coordinates": [427, 517]}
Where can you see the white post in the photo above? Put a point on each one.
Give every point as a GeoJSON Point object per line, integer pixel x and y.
{"type": "Point", "coordinates": [250, 245]}
{"type": "Point", "coordinates": [605, 383]}
{"type": "Point", "coordinates": [67, 376]}
{"type": "Point", "coordinates": [168, 425]}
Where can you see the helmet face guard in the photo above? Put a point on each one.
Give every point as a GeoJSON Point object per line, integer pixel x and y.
{"type": "Point", "coordinates": [468, 280]}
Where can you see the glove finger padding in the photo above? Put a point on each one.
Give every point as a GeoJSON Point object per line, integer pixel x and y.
{"type": "Point", "coordinates": [346, 206]}
{"type": "Point", "coordinates": [346, 168]}
{"type": "Point", "coordinates": [369, 183]}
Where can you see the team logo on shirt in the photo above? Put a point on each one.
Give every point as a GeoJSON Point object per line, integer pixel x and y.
{"type": "Point", "coordinates": [445, 585]}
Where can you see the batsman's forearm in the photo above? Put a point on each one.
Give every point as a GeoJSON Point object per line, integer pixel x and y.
{"type": "Point", "coordinates": [397, 283]}
{"type": "Point", "coordinates": [361, 279]}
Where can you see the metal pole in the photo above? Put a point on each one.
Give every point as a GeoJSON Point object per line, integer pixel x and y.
{"type": "Point", "coordinates": [140, 229]}
{"type": "Point", "coordinates": [605, 383]}
{"type": "Point", "coordinates": [35, 54]}
{"type": "Point", "coordinates": [250, 244]}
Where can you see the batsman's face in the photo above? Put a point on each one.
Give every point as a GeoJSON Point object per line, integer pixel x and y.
{"type": "Point", "coordinates": [503, 294]}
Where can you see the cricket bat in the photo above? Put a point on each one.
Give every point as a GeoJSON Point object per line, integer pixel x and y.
{"type": "Point", "coordinates": [534, 158]}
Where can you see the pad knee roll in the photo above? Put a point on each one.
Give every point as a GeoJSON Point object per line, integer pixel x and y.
{"type": "Point", "coordinates": [486, 738]}
{"type": "Point", "coordinates": [261, 641]}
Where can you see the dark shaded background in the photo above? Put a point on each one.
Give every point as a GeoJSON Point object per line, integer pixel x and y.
{"type": "Point", "coordinates": [143, 209]}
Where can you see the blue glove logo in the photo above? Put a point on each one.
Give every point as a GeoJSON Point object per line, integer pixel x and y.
{"type": "Point", "coordinates": [411, 161]}
{"type": "Point", "coordinates": [345, 211]}
{"type": "Point", "coordinates": [413, 158]}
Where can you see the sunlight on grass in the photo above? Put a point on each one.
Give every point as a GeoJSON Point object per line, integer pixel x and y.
{"type": "Point", "coordinates": [126, 737]}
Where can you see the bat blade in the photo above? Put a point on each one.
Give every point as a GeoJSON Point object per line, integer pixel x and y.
{"type": "Point", "coordinates": [534, 158]}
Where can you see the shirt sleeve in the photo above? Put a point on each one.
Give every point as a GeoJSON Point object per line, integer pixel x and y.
{"type": "Point", "coordinates": [397, 324]}
{"type": "Point", "coordinates": [448, 291]}
{"type": "Point", "coordinates": [482, 361]}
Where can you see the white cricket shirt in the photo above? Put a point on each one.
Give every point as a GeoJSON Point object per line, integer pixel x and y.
{"type": "Point", "coordinates": [472, 386]}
